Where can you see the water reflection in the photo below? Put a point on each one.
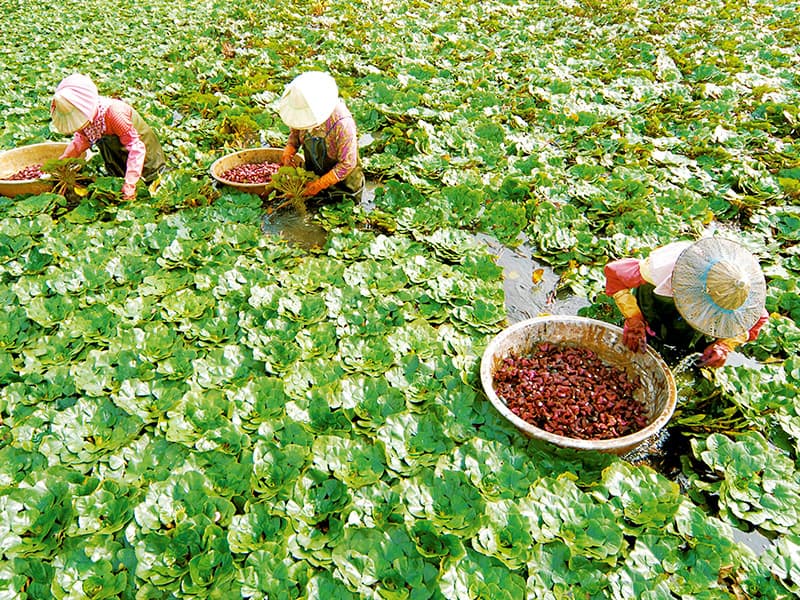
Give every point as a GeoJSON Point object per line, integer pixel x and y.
{"type": "Point", "coordinates": [297, 229]}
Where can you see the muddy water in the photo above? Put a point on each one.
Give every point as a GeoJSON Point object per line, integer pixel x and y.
{"type": "Point", "coordinates": [531, 289]}
{"type": "Point", "coordinates": [298, 229]}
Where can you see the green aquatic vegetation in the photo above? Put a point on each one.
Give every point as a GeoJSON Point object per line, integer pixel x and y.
{"type": "Point", "coordinates": [289, 184]}
{"type": "Point", "coordinates": [781, 560]}
{"type": "Point", "coordinates": [191, 409]}
{"type": "Point", "coordinates": [752, 482]}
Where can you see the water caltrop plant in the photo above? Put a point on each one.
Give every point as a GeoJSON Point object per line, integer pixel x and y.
{"type": "Point", "coordinates": [192, 408]}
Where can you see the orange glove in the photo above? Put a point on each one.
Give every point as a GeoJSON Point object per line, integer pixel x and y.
{"type": "Point", "coordinates": [326, 181]}
{"type": "Point", "coordinates": [715, 355]}
{"type": "Point", "coordinates": [634, 333]}
{"type": "Point", "coordinates": [288, 154]}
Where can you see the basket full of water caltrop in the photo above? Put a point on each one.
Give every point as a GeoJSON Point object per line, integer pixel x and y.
{"type": "Point", "coordinates": [248, 170]}
{"type": "Point", "coordinates": [20, 168]}
{"type": "Point", "coordinates": [572, 382]}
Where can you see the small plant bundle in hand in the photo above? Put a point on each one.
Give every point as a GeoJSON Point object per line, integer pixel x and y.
{"type": "Point", "coordinates": [70, 180]}
{"type": "Point", "coordinates": [290, 182]}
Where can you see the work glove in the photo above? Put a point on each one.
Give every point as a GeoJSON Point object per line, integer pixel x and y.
{"type": "Point", "coordinates": [128, 191]}
{"type": "Point", "coordinates": [634, 333]}
{"type": "Point", "coordinates": [635, 329]}
{"type": "Point", "coordinates": [288, 154]}
{"type": "Point", "coordinates": [315, 187]}
{"type": "Point", "coordinates": [715, 355]}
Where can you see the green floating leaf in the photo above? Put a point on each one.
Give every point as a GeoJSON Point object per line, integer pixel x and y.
{"type": "Point", "coordinates": [646, 498]}
{"type": "Point", "coordinates": [385, 561]}
{"type": "Point", "coordinates": [90, 567]}
{"type": "Point", "coordinates": [758, 484]}
{"type": "Point", "coordinates": [257, 529]}
{"type": "Point", "coordinates": [783, 561]}
{"type": "Point", "coordinates": [475, 576]}
{"type": "Point", "coordinates": [36, 514]}
{"type": "Point", "coordinates": [277, 467]}
{"type": "Point", "coordinates": [448, 500]}
{"type": "Point", "coordinates": [355, 461]}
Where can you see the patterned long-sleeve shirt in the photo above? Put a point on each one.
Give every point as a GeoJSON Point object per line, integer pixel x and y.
{"type": "Point", "coordinates": [341, 139]}
{"type": "Point", "coordinates": [114, 117]}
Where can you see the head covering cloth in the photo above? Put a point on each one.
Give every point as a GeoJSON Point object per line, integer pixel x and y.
{"type": "Point", "coordinates": [74, 103]}
{"type": "Point", "coordinates": [308, 100]}
{"type": "Point", "coordinates": [660, 264]}
{"type": "Point", "coordinates": [718, 287]}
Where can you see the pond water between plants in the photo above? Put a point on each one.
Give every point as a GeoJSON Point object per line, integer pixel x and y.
{"type": "Point", "coordinates": [531, 290]}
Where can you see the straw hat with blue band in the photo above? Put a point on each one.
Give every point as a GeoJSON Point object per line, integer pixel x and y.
{"type": "Point", "coordinates": [718, 287]}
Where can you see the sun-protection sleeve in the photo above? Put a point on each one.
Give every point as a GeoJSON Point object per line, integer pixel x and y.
{"type": "Point", "coordinates": [324, 182]}
{"type": "Point", "coordinates": [343, 146]}
{"type": "Point", "coordinates": [623, 274]}
{"type": "Point", "coordinates": [621, 277]}
{"type": "Point", "coordinates": [119, 122]}
{"type": "Point", "coordinates": [288, 154]}
{"type": "Point", "coordinates": [626, 303]}
{"type": "Point", "coordinates": [77, 146]}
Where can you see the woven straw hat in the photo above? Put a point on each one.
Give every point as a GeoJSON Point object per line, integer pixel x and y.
{"type": "Point", "coordinates": [718, 287]}
{"type": "Point", "coordinates": [308, 100]}
{"type": "Point", "coordinates": [74, 103]}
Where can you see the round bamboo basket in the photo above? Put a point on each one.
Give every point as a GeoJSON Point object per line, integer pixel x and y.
{"type": "Point", "coordinates": [243, 157]}
{"type": "Point", "coordinates": [657, 390]}
{"type": "Point", "coordinates": [13, 161]}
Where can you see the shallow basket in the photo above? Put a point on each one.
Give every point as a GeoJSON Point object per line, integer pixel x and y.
{"type": "Point", "coordinates": [243, 157]}
{"type": "Point", "coordinates": [657, 391]}
{"type": "Point", "coordinates": [13, 161]}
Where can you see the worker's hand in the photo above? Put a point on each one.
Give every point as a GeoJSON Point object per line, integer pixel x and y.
{"type": "Point", "coordinates": [288, 154]}
{"type": "Point", "coordinates": [128, 191]}
{"type": "Point", "coordinates": [634, 333]}
{"type": "Point", "coordinates": [315, 187]}
{"type": "Point", "coordinates": [715, 355]}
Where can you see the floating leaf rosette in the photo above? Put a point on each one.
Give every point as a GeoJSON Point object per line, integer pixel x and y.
{"type": "Point", "coordinates": [190, 408]}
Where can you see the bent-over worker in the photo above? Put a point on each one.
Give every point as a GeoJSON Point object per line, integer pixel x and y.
{"type": "Point", "coordinates": [707, 296]}
{"type": "Point", "coordinates": [323, 127]}
{"type": "Point", "coordinates": [126, 143]}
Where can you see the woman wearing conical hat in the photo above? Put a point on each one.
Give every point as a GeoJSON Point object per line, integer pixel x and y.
{"type": "Point", "coordinates": [126, 143]}
{"type": "Point", "coordinates": [321, 124]}
{"type": "Point", "coordinates": [707, 296]}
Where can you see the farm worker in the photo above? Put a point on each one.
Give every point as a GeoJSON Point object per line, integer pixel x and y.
{"type": "Point", "coordinates": [323, 127]}
{"type": "Point", "coordinates": [690, 294]}
{"type": "Point", "coordinates": [126, 143]}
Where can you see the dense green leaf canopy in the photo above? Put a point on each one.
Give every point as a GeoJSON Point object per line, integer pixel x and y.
{"type": "Point", "coordinates": [190, 408]}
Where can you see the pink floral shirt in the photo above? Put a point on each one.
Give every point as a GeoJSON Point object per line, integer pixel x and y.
{"type": "Point", "coordinates": [341, 139]}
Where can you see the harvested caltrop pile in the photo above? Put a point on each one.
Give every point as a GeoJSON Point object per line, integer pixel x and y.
{"type": "Point", "coordinates": [570, 391]}
{"type": "Point", "coordinates": [252, 172]}
{"type": "Point", "coordinates": [29, 172]}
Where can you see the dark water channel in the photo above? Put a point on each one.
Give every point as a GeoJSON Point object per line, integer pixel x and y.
{"type": "Point", "coordinates": [531, 290]}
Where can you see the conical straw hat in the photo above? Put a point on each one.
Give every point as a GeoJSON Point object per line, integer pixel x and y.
{"type": "Point", "coordinates": [66, 118]}
{"type": "Point", "coordinates": [308, 100]}
{"type": "Point", "coordinates": [718, 287]}
{"type": "Point", "coordinates": [74, 103]}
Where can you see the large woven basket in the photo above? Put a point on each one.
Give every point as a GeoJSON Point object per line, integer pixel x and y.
{"type": "Point", "coordinates": [243, 157]}
{"type": "Point", "coordinates": [657, 391]}
{"type": "Point", "coordinates": [13, 161]}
